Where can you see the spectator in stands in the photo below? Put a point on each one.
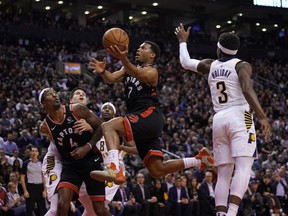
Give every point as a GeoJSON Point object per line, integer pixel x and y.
{"type": "Point", "coordinates": [15, 156]}
{"type": "Point", "coordinates": [158, 192]}
{"type": "Point", "coordinates": [15, 178]}
{"type": "Point", "coordinates": [149, 205]}
{"type": "Point", "coordinates": [16, 202]}
{"type": "Point", "coordinates": [125, 203]}
{"type": "Point", "coordinates": [24, 139]}
{"type": "Point", "coordinates": [207, 195]}
{"type": "Point", "coordinates": [5, 210]}
{"type": "Point", "coordinates": [178, 201]}
{"type": "Point", "coordinates": [9, 146]}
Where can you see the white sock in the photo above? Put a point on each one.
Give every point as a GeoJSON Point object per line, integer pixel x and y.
{"type": "Point", "coordinates": [191, 162]}
{"type": "Point", "coordinates": [221, 214]}
{"type": "Point", "coordinates": [113, 156]}
{"type": "Point", "coordinates": [232, 210]}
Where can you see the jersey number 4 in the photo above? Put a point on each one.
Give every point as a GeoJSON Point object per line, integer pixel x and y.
{"type": "Point", "coordinates": [222, 88]}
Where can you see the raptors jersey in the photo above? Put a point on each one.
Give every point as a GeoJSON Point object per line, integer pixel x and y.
{"type": "Point", "coordinates": [139, 95]}
{"type": "Point", "coordinates": [64, 136]}
{"type": "Point", "coordinates": [224, 85]}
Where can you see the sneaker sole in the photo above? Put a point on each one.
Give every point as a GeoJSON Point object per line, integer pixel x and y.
{"type": "Point", "coordinates": [102, 176]}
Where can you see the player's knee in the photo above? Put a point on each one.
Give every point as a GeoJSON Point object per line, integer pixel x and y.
{"type": "Point", "coordinates": [63, 206]}
{"type": "Point", "coordinates": [100, 209]}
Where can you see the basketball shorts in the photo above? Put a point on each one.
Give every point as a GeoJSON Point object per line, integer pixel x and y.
{"type": "Point", "coordinates": [74, 173]}
{"type": "Point", "coordinates": [233, 135]}
{"type": "Point", "coordinates": [145, 127]}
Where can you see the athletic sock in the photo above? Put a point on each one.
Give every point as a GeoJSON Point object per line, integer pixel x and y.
{"type": "Point", "coordinates": [191, 162]}
{"type": "Point", "coordinates": [232, 209]}
{"type": "Point", "coordinates": [113, 156]}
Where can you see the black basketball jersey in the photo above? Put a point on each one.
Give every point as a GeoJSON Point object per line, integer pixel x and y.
{"type": "Point", "coordinates": [139, 95]}
{"type": "Point", "coordinates": [65, 139]}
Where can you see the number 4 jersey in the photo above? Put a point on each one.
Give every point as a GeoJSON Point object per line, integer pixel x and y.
{"type": "Point", "coordinates": [224, 85]}
{"type": "Point", "coordinates": [64, 136]}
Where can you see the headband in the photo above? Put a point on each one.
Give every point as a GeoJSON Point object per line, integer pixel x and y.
{"type": "Point", "coordinates": [41, 94]}
{"type": "Point", "coordinates": [225, 50]}
{"type": "Point", "coordinates": [108, 104]}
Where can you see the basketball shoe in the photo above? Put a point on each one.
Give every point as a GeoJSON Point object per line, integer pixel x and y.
{"type": "Point", "coordinates": [109, 174]}
{"type": "Point", "coordinates": [206, 158]}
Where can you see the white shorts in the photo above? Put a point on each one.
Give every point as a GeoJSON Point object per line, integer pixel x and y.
{"type": "Point", "coordinates": [233, 135]}
{"type": "Point", "coordinates": [51, 170]}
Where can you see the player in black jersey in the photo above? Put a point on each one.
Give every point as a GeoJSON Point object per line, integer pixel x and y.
{"type": "Point", "coordinates": [75, 149]}
{"type": "Point", "coordinates": [144, 123]}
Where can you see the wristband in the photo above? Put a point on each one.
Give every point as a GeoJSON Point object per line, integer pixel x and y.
{"type": "Point", "coordinates": [90, 145]}
{"type": "Point", "coordinates": [103, 71]}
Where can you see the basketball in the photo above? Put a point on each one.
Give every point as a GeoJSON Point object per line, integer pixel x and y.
{"type": "Point", "coordinates": [115, 36]}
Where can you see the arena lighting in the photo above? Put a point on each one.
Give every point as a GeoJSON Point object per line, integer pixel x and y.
{"type": "Point", "coordinates": [155, 4]}
{"type": "Point", "coordinates": [87, 12]}
{"type": "Point", "coordinates": [47, 8]}
{"type": "Point", "coordinates": [264, 29]}
{"type": "Point", "coordinates": [144, 12]}
{"type": "Point", "coordinates": [275, 25]}
{"type": "Point", "coordinates": [229, 21]}
{"type": "Point", "coordinates": [130, 17]}
{"type": "Point", "coordinates": [37, 0]}
{"type": "Point", "coordinates": [100, 7]}
{"type": "Point", "coordinates": [240, 14]}
{"type": "Point", "coordinates": [60, 2]}
{"type": "Point", "coordinates": [257, 24]}
{"type": "Point", "coordinates": [218, 26]}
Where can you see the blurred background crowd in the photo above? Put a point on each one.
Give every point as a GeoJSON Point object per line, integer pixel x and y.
{"type": "Point", "coordinates": [27, 65]}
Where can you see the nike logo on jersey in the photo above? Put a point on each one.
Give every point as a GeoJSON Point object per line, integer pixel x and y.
{"type": "Point", "coordinates": [53, 127]}
{"type": "Point", "coordinates": [96, 159]}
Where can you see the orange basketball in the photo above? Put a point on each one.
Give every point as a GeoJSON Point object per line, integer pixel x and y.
{"type": "Point", "coordinates": [115, 36]}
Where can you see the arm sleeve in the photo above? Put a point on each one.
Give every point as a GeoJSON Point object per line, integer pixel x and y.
{"type": "Point", "coordinates": [185, 60]}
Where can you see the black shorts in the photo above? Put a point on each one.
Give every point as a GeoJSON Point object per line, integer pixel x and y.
{"type": "Point", "coordinates": [75, 172]}
{"type": "Point", "coordinates": [145, 128]}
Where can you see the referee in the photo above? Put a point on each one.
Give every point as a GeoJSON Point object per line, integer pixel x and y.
{"type": "Point", "coordinates": [33, 183]}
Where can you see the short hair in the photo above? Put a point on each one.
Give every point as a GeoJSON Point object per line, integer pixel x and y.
{"type": "Point", "coordinates": [73, 91]}
{"type": "Point", "coordinates": [155, 48]}
{"type": "Point", "coordinates": [229, 41]}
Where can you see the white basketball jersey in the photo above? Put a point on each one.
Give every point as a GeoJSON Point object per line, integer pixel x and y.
{"type": "Point", "coordinates": [53, 151]}
{"type": "Point", "coordinates": [224, 85]}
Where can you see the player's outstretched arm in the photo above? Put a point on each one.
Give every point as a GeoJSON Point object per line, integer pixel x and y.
{"type": "Point", "coordinates": [186, 61]}
{"type": "Point", "coordinates": [100, 68]}
{"type": "Point", "coordinates": [244, 70]}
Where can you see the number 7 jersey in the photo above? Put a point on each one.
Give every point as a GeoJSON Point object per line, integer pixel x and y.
{"type": "Point", "coordinates": [224, 85]}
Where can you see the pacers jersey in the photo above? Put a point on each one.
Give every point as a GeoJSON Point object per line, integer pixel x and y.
{"type": "Point", "coordinates": [139, 95]}
{"type": "Point", "coordinates": [224, 85]}
{"type": "Point", "coordinates": [64, 137]}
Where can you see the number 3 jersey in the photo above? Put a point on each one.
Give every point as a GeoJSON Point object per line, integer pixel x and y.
{"type": "Point", "coordinates": [224, 85]}
{"type": "Point", "coordinates": [64, 136]}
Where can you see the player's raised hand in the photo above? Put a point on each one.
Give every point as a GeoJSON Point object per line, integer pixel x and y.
{"type": "Point", "coordinates": [116, 52]}
{"type": "Point", "coordinates": [181, 34]}
{"type": "Point", "coordinates": [97, 66]}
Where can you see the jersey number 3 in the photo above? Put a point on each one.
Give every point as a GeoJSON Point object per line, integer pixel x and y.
{"type": "Point", "coordinates": [222, 88]}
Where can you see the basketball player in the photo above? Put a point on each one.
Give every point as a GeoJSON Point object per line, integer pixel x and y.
{"type": "Point", "coordinates": [75, 148]}
{"type": "Point", "coordinates": [234, 138]}
{"type": "Point", "coordinates": [144, 123]}
{"type": "Point", "coordinates": [52, 165]}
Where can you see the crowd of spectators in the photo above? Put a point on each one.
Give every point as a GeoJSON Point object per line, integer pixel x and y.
{"type": "Point", "coordinates": [28, 68]}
